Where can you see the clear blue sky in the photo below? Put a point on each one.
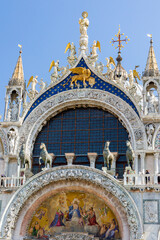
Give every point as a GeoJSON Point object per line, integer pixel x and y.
{"type": "Point", "coordinates": [44, 27]}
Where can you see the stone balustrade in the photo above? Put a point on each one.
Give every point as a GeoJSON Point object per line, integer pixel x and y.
{"type": "Point", "coordinates": [11, 182]}
{"type": "Point", "coordinates": [141, 179]}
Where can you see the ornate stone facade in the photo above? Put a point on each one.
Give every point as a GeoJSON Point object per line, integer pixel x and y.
{"type": "Point", "coordinates": [96, 177]}
{"type": "Point", "coordinates": [136, 107]}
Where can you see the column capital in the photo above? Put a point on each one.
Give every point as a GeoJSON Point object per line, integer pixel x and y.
{"type": "Point", "coordinates": [142, 155]}
{"type": "Point", "coordinates": [156, 155]}
{"type": "Point", "coordinates": [70, 157]}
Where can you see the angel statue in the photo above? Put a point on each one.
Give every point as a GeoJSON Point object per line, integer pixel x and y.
{"type": "Point", "coordinates": [72, 50]}
{"type": "Point", "coordinates": [133, 75]}
{"type": "Point", "coordinates": [110, 73]}
{"type": "Point", "coordinates": [152, 105]}
{"type": "Point", "coordinates": [131, 79]}
{"type": "Point", "coordinates": [54, 75]}
{"type": "Point", "coordinates": [32, 92]}
{"type": "Point", "coordinates": [94, 48]}
{"type": "Point", "coordinates": [84, 23]}
{"type": "Point", "coordinates": [33, 81]}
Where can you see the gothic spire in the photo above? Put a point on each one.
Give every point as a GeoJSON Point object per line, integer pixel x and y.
{"type": "Point", "coordinates": [18, 75]}
{"type": "Point", "coordinates": [151, 69]}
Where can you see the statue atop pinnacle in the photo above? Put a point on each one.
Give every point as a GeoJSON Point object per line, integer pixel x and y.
{"type": "Point", "coordinates": [84, 23]}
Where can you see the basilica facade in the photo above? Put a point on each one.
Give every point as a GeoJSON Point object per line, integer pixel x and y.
{"type": "Point", "coordinates": [79, 159]}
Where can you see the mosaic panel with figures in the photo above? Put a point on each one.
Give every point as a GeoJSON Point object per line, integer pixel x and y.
{"type": "Point", "coordinates": [74, 211]}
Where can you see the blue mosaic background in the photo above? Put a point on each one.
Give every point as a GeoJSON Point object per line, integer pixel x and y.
{"type": "Point", "coordinates": [65, 85]}
{"type": "Point", "coordinates": [80, 131]}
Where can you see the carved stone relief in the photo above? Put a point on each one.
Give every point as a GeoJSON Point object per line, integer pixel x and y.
{"type": "Point", "coordinates": [151, 211]}
{"type": "Point", "coordinates": [88, 97]}
{"type": "Point", "coordinates": [79, 173]}
{"type": "Point", "coordinates": [4, 141]}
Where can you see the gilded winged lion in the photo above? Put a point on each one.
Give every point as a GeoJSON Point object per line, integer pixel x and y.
{"type": "Point", "coordinates": [82, 74]}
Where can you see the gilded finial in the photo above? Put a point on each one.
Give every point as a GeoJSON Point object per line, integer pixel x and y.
{"type": "Point", "coordinates": [20, 46]}
{"type": "Point", "coordinates": [149, 35]}
{"type": "Point", "coordinates": [119, 41]}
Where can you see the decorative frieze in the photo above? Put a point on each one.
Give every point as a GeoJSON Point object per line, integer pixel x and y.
{"type": "Point", "coordinates": [91, 97]}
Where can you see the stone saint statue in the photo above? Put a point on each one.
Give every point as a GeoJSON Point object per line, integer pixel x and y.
{"type": "Point", "coordinates": [33, 85]}
{"type": "Point", "coordinates": [42, 85]}
{"type": "Point", "coordinates": [131, 78]}
{"type": "Point", "coordinates": [14, 111]}
{"type": "Point", "coordinates": [84, 23]}
{"type": "Point", "coordinates": [152, 102]}
{"type": "Point", "coordinates": [11, 138]}
{"type": "Point", "coordinates": [150, 128]}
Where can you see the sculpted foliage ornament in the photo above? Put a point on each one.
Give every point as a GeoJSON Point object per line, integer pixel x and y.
{"type": "Point", "coordinates": [95, 177]}
{"type": "Point", "coordinates": [73, 236]}
{"type": "Point", "coordinates": [36, 119]}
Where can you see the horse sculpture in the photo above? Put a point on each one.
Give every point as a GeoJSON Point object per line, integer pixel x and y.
{"type": "Point", "coordinates": [130, 154]}
{"type": "Point", "coordinates": [108, 156]}
{"type": "Point", "coordinates": [45, 156]}
{"type": "Point", "coordinates": [24, 159]}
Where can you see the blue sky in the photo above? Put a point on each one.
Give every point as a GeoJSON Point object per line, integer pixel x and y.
{"type": "Point", "coordinates": [44, 27]}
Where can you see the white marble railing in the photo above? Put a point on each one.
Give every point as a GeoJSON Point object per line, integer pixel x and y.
{"type": "Point", "coordinates": [11, 182]}
{"type": "Point", "coordinates": [141, 179]}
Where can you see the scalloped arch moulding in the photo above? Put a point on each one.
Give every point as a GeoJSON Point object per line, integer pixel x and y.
{"type": "Point", "coordinates": [19, 210]}
{"type": "Point", "coordinates": [82, 97]}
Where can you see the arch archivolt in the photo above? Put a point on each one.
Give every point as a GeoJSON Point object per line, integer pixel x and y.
{"type": "Point", "coordinates": [154, 82]}
{"type": "Point", "coordinates": [87, 98]}
{"type": "Point", "coordinates": [20, 209]}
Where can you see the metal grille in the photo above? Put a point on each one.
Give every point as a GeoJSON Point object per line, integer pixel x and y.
{"type": "Point", "coordinates": [80, 131]}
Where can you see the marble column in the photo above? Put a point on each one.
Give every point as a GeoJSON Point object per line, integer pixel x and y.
{"type": "Point", "coordinates": [70, 157]}
{"type": "Point", "coordinates": [92, 158]}
{"type": "Point", "coordinates": [19, 108]}
{"type": "Point", "coordinates": [158, 101]}
{"type": "Point", "coordinates": [144, 103]}
{"type": "Point", "coordinates": [6, 107]}
{"type": "Point", "coordinates": [6, 161]}
{"type": "Point", "coordinates": [136, 168]}
{"type": "Point", "coordinates": [136, 163]}
{"type": "Point", "coordinates": [142, 155]}
{"type": "Point", "coordinates": [156, 169]}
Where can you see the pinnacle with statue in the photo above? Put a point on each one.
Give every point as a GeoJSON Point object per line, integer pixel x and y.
{"type": "Point", "coordinates": [93, 126]}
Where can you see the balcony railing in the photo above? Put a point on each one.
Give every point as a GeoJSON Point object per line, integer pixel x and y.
{"type": "Point", "coordinates": [11, 182]}
{"type": "Point", "coordinates": [141, 179]}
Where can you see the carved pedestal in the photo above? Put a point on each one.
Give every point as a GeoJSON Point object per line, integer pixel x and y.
{"type": "Point", "coordinates": [111, 172]}
{"type": "Point", "coordinates": [92, 158]}
{"type": "Point", "coordinates": [70, 157]}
